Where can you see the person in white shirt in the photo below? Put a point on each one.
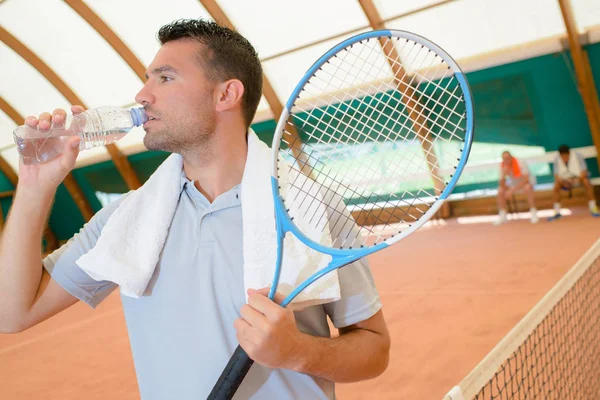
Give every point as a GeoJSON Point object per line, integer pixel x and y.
{"type": "Point", "coordinates": [570, 171]}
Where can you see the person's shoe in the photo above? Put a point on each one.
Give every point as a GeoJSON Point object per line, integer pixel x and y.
{"type": "Point", "coordinates": [500, 221]}
{"type": "Point", "coordinates": [535, 219]}
{"type": "Point", "coordinates": [554, 217]}
{"type": "Point", "coordinates": [595, 212]}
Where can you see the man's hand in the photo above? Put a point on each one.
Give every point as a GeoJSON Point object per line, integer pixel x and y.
{"type": "Point", "coordinates": [47, 176]}
{"type": "Point", "coordinates": [269, 335]}
{"type": "Point", "coordinates": [268, 332]}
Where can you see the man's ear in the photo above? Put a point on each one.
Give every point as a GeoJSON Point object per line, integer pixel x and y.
{"type": "Point", "coordinates": [229, 95]}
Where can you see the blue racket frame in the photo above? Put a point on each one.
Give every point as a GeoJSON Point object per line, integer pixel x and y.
{"type": "Point", "coordinates": [342, 257]}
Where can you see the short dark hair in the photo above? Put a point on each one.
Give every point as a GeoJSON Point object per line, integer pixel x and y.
{"type": "Point", "coordinates": [230, 56]}
{"type": "Point", "coordinates": [563, 149]}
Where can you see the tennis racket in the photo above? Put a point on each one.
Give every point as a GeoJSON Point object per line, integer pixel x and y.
{"type": "Point", "coordinates": [381, 125]}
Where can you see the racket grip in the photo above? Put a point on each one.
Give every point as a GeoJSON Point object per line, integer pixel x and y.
{"type": "Point", "coordinates": [232, 376]}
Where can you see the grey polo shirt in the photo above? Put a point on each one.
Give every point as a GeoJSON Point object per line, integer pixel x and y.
{"type": "Point", "coordinates": [181, 332]}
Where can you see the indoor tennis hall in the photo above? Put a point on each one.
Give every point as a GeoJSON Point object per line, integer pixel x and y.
{"type": "Point", "coordinates": [496, 294]}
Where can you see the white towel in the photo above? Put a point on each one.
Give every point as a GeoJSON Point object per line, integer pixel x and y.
{"type": "Point", "coordinates": [131, 242]}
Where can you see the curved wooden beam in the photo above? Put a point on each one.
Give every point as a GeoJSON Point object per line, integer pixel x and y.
{"type": "Point", "coordinates": [51, 241]}
{"type": "Point", "coordinates": [585, 80]}
{"type": "Point", "coordinates": [292, 137]}
{"type": "Point", "coordinates": [109, 35]}
{"type": "Point", "coordinates": [120, 161]}
{"type": "Point", "coordinates": [411, 100]}
{"type": "Point", "coordinates": [50, 75]}
{"type": "Point", "coordinates": [354, 30]}
{"type": "Point", "coordinates": [11, 112]}
{"type": "Point", "coordinates": [5, 167]}
{"type": "Point", "coordinates": [217, 13]}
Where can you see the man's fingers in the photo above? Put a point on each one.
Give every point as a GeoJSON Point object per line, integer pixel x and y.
{"type": "Point", "coordinates": [254, 317]}
{"type": "Point", "coordinates": [59, 116]}
{"type": "Point", "coordinates": [31, 121]}
{"type": "Point", "coordinates": [279, 297]}
{"type": "Point", "coordinates": [77, 109]}
{"type": "Point", "coordinates": [45, 120]}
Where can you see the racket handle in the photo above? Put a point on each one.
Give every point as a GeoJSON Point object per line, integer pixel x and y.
{"type": "Point", "coordinates": [232, 376]}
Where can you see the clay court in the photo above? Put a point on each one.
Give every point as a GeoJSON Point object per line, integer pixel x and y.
{"type": "Point", "coordinates": [450, 293]}
{"type": "Point", "coordinates": [465, 111]}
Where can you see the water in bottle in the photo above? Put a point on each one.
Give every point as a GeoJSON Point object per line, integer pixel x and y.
{"type": "Point", "coordinates": [97, 127]}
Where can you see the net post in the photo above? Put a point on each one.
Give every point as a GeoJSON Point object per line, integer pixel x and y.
{"type": "Point", "coordinates": [455, 394]}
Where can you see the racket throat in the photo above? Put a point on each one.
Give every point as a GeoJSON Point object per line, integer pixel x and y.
{"type": "Point", "coordinates": [278, 263]}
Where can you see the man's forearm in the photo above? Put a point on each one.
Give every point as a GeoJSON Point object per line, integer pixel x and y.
{"type": "Point", "coordinates": [353, 356]}
{"type": "Point", "coordinates": [20, 255]}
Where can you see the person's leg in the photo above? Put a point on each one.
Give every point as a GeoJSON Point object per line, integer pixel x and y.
{"type": "Point", "coordinates": [585, 181]}
{"type": "Point", "coordinates": [556, 197]}
{"type": "Point", "coordinates": [502, 193]}
{"type": "Point", "coordinates": [528, 189]}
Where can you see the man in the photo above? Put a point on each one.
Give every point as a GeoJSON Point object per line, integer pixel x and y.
{"type": "Point", "coordinates": [514, 176]}
{"type": "Point", "coordinates": [570, 171]}
{"type": "Point", "coordinates": [201, 95]}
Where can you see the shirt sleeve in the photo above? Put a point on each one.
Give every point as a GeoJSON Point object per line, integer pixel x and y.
{"type": "Point", "coordinates": [62, 266]}
{"type": "Point", "coordinates": [359, 297]}
{"type": "Point", "coordinates": [556, 166]}
{"type": "Point", "coordinates": [581, 162]}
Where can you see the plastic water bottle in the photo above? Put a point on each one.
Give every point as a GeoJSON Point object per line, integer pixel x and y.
{"type": "Point", "coordinates": [96, 127]}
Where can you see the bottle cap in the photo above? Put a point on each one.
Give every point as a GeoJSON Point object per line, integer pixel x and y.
{"type": "Point", "coordinates": [138, 115]}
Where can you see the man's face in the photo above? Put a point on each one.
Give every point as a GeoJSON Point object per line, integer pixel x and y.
{"type": "Point", "coordinates": [565, 157]}
{"type": "Point", "coordinates": [178, 98]}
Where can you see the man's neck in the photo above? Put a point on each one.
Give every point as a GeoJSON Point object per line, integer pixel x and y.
{"type": "Point", "coordinates": [220, 166]}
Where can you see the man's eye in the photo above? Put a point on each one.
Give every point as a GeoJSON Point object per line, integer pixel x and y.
{"type": "Point", "coordinates": [165, 78]}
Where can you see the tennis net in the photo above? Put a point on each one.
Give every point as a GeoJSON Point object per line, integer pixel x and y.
{"type": "Point", "coordinates": [553, 352]}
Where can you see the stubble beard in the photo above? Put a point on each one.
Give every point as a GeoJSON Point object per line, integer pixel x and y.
{"type": "Point", "coordinates": [191, 137]}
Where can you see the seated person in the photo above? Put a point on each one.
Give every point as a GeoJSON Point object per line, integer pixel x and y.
{"type": "Point", "coordinates": [570, 171]}
{"type": "Point", "coordinates": [514, 176]}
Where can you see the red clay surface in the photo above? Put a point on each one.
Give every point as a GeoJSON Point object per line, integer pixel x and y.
{"type": "Point", "coordinates": [450, 293]}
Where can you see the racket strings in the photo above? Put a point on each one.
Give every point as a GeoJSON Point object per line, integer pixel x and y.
{"type": "Point", "coordinates": [377, 146]}
{"type": "Point", "coordinates": [379, 218]}
{"type": "Point", "coordinates": [434, 122]}
{"type": "Point", "coordinates": [380, 213]}
{"type": "Point", "coordinates": [379, 210]}
{"type": "Point", "coordinates": [400, 82]}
